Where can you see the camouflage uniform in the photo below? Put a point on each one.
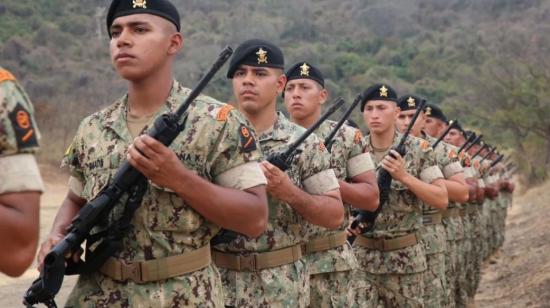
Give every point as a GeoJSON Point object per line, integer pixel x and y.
{"type": "Point", "coordinates": [286, 285]}
{"type": "Point", "coordinates": [164, 225]}
{"type": "Point", "coordinates": [331, 271]}
{"type": "Point", "coordinates": [398, 275]}
{"type": "Point", "coordinates": [433, 235]}
{"type": "Point", "coordinates": [19, 138]}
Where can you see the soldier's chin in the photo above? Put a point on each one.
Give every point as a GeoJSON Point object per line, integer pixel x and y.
{"type": "Point", "coordinates": [130, 74]}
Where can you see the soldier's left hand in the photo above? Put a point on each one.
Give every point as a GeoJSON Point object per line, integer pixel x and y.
{"type": "Point", "coordinates": [278, 183]}
{"type": "Point", "coordinates": [154, 160]}
{"type": "Point", "coordinates": [395, 166]}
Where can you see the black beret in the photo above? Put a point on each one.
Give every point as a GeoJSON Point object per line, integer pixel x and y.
{"type": "Point", "coordinates": [459, 127]}
{"type": "Point", "coordinates": [468, 133]}
{"type": "Point", "coordinates": [258, 53]}
{"type": "Point", "coordinates": [304, 70]}
{"type": "Point", "coordinates": [161, 8]}
{"type": "Point", "coordinates": [408, 102]}
{"type": "Point", "coordinates": [378, 92]}
{"type": "Point", "coordinates": [433, 111]}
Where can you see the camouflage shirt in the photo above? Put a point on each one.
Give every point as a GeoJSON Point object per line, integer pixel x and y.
{"type": "Point", "coordinates": [212, 144]}
{"type": "Point", "coordinates": [19, 138]}
{"type": "Point", "coordinates": [402, 214]}
{"type": "Point", "coordinates": [348, 160]}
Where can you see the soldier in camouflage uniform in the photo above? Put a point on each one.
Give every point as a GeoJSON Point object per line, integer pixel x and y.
{"type": "Point", "coordinates": [330, 258]}
{"type": "Point", "coordinates": [391, 255]}
{"type": "Point", "coordinates": [20, 181]}
{"type": "Point", "coordinates": [269, 271]}
{"type": "Point", "coordinates": [433, 234]}
{"type": "Point", "coordinates": [165, 257]}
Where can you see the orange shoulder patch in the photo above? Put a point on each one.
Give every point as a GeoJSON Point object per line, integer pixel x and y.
{"type": "Point", "coordinates": [452, 154]}
{"type": "Point", "coordinates": [358, 136]}
{"type": "Point", "coordinates": [424, 145]}
{"type": "Point", "coordinates": [322, 146]}
{"type": "Point", "coordinates": [6, 75]}
{"type": "Point", "coordinates": [224, 112]}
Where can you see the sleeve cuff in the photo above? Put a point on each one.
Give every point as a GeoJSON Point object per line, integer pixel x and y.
{"type": "Point", "coordinates": [321, 182]}
{"type": "Point", "coordinates": [431, 174]}
{"type": "Point", "coordinates": [242, 177]}
{"type": "Point", "coordinates": [481, 183]}
{"type": "Point", "coordinates": [452, 169]}
{"type": "Point", "coordinates": [76, 186]}
{"type": "Point", "coordinates": [19, 173]}
{"type": "Point", "coordinates": [359, 164]}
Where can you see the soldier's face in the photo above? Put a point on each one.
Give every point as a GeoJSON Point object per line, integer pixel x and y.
{"type": "Point", "coordinates": [433, 126]}
{"type": "Point", "coordinates": [257, 88]}
{"type": "Point", "coordinates": [380, 116]}
{"type": "Point", "coordinates": [405, 118]}
{"type": "Point", "coordinates": [143, 44]}
{"type": "Point", "coordinates": [303, 98]}
{"type": "Point", "coordinates": [455, 137]}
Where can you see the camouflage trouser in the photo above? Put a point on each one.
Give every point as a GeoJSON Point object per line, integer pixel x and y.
{"type": "Point", "coordinates": [461, 284]}
{"type": "Point", "coordinates": [435, 283]}
{"type": "Point", "coordinates": [469, 254]}
{"type": "Point", "coordinates": [282, 286]}
{"type": "Point", "coordinates": [494, 226]}
{"type": "Point", "coordinates": [341, 289]}
{"type": "Point", "coordinates": [486, 224]}
{"type": "Point", "coordinates": [201, 288]}
{"type": "Point", "coordinates": [450, 272]}
{"type": "Point", "coordinates": [399, 290]}
{"type": "Point", "coordinates": [474, 275]}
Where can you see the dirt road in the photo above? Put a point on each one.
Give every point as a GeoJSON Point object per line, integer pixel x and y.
{"type": "Point", "coordinates": [519, 277]}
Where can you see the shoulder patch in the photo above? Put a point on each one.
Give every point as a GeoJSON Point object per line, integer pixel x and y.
{"type": "Point", "coordinates": [248, 143]}
{"type": "Point", "coordinates": [452, 154]}
{"type": "Point", "coordinates": [358, 136]}
{"type": "Point", "coordinates": [476, 164]}
{"type": "Point", "coordinates": [322, 146]}
{"type": "Point", "coordinates": [21, 122]}
{"type": "Point", "coordinates": [424, 145]}
{"type": "Point", "coordinates": [69, 149]}
{"type": "Point", "coordinates": [6, 75]}
{"type": "Point", "coordinates": [467, 162]}
{"type": "Point", "coordinates": [224, 112]}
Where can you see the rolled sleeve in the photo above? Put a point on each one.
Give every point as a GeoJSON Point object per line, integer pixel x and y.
{"type": "Point", "coordinates": [19, 173]}
{"type": "Point", "coordinates": [321, 182]}
{"type": "Point", "coordinates": [242, 177]}
{"type": "Point", "coordinates": [431, 174]}
{"type": "Point", "coordinates": [452, 169]}
{"type": "Point", "coordinates": [359, 164]}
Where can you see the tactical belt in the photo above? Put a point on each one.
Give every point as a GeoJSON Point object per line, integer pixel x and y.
{"type": "Point", "coordinates": [382, 244]}
{"type": "Point", "coordinates": [157, 269]}
{"type": "Point", "coordinates": [324, 243]}
{"type": "Point", "coordinates": [432, 219]}
{"type": "Point", "coordinates": [471, 209]}
{"type": "Point", "coordinates": [451, 213]}
{"type": "Point", "coordinates": [462, 212]}
{"type": "Point", "coordinates": [257, 261]}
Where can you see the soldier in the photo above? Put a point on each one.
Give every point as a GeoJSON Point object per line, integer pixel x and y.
{"type": "Point", "coordinates": [433, 233]}
{"type": "Point", "coordinates": [20, 181]}
{"type": "Point", "coordinates": [270, 270]}
{"type": "Point", "coordinates": [329, 256]}
{"type": "Point", "coordinates": [165, 259]}
{"type": "Point", "coordinates": [391, 254]}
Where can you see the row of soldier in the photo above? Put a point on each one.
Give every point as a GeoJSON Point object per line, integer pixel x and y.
{"type": "Point", "coordinates": [286, 243]}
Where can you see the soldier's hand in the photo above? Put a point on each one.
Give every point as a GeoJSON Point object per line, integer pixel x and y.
{"type": "Point", "coordinates": [47, 246]}
{"type": "Point", "coordinates": [156, 161]}
{"type": "Point", "coordinates": [394, 165]}
{"type": "Point", "coordinates": [279, 184]}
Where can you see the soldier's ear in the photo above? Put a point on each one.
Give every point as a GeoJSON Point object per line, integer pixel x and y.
{"type": "Point", "coordinates": [323, 96]}
{"type": "Point", "coordinates": [176, 43]}
{"type": "Point", "coordinates": [281, 83]}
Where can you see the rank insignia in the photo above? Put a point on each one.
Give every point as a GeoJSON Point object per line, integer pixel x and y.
{"type": "Point", "coordinates": [248, 143]}
{"type": "Point", "coordinates": [262, 56]}
{"type": "Point", "coordinates": [411, 102]}
{"type": "Point", "coordinates": [383, 91]}
{"type": "Point", "coordinates": [304, 70]}
{"type": "Point", "coordinates": [23, 127]}
{"type": "Point", "coordinates": [139, 3]}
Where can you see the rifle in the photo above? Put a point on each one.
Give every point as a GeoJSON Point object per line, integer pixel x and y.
{"type": "Point", "coordinates": [165, 129]}
{"type": "Point", "coordinates": [283, 160]}
{"type": "Point", "coordinates": [488, 154]}
{"type": "Point", "coordinates": [451, 126]}
{"type": "Point", "coordinates": [476, 141]}
{"type": "Point", "coordinates": [330, 138]}
{"type": "Point", "coordinates": [480, 149]}
{"type": "Point", "coordinates": [470, 139]}
{"type": "Point", "coordinates": [384, 181]}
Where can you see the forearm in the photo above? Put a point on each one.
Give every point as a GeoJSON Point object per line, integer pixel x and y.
{"type": "Point", "coordinates": [434, 195]}
{"type": "Point", "coordinates": [68, 210]}
{"type": "Point", "coordinates": [458, 192]}
{"type": "Point", "coordinates": [241, 211]}
{"type": "Point", "coordinates": [18, 232]}
{"type": "Point", "coordinates": [322, 210]}
{"type": "Point", "coordinates": [363, 196]}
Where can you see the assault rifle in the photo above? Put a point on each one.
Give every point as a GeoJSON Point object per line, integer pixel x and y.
{"type": "Point", "coordinates": [330, 138]}
{"type": "Point", "coordinates": [165, 129]}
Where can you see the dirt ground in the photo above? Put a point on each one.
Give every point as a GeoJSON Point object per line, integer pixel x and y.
{"type": "Point", "coordinates": [518, 277]}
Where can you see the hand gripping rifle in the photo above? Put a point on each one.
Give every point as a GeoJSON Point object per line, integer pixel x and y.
{"type": "Point", "coordinates": [165, 129]}
{"type": "Point", "coordinates": [330, 138]}
{"type": "Point", "coordinates": [451, 126]}
{"type": "Point", "coordinates": [283, 160]}
{"type": "Point", "coordinates": [384, 181]}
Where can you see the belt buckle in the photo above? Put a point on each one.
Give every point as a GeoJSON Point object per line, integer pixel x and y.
{"type": "Point", "coordinates": [248, 263]}
{"type": "Point", "coordinates": [131, 271]}
{"type": "Point", "coordinates": [381, 244]}
{"type": "Point", "coordinates": [427, 219]}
